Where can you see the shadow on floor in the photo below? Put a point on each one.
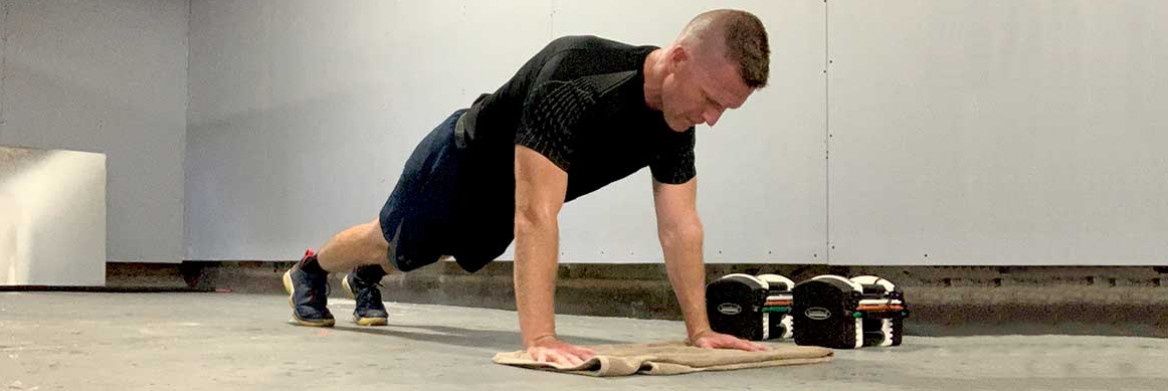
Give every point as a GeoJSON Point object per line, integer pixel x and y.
{"type": "Point", "coordinates": [499, 341]}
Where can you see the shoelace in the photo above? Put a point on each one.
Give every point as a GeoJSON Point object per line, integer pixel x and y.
{"type": "Point", "coordinates": [367, 295]}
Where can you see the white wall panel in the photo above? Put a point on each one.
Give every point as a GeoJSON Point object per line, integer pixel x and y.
{"type": "Point", "coordinates": [52, 217]}
{"type": "Point", "coordinates": [998, 132]}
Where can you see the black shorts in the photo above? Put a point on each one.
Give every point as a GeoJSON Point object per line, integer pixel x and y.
{"type": "Point", "coordinates": [430, 214]}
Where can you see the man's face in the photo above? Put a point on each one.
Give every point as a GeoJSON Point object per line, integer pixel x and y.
{"type": "Point", "coordinates": [699, 90]}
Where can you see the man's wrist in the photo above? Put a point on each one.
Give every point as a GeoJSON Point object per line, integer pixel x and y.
{"type": "Point", "coordinates": [697, 325]}
{"type": "Point", "coordinates": [540, 338]}
{"type": "Point", "coordinates": [694, 335]}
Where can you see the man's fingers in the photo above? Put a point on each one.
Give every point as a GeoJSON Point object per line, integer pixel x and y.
{"type": "Point", "coordinates": [730, 342]}
{"type": "Point", "coordinates": [549, 356]}
{"type": "Point", "coordinates": [584, 353]}
{"type": "Point", "coordinates": [575, 360]}
{"type": "Point", "coordinates": [752, 347]}
{"type": "Point", "coordinates": [564, 359]}
{"type": "Point", "coordinates": [566, 355]}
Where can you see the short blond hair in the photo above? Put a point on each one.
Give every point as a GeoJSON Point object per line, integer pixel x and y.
{"type": "Point", "coordinates": [743, 36]}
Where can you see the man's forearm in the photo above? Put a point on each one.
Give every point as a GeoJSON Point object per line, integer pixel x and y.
{"type": "Point", "coordinates": [536, 245]}
{"type": "Point", "coordinates": [687, 274]}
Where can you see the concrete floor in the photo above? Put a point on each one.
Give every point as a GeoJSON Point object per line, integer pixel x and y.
{"type": "Point", "coordinates": [184, 341]}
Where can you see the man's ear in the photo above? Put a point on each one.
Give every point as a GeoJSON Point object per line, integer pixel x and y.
{"type": "Point", "coordinates": [675, 57]}
{"type": "Point", "coordinates": [678, 56]}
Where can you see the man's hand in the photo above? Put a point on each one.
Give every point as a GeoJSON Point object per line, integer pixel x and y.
{"type": "Point", "coordinates": [710, 340]}
{"type": "Point", "coordinates": [549, 349]}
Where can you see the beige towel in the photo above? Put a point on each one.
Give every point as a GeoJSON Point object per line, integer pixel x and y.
{"type": "Point", "coordinates": [671, 358]}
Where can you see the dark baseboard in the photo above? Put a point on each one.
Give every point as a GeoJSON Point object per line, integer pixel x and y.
{"type": "Point", "coordinates": [958, 300]}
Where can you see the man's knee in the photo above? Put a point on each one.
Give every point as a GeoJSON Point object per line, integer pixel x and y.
{"type": "Point", "coordinates": [374, 237]}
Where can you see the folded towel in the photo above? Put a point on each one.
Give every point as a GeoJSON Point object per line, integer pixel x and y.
{"type": "Point", "coordinates": [670, 358]}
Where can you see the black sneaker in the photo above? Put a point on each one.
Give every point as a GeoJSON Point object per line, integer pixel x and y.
{"type": "Point", "coordinates": [308, 293]}
{"type": "Point", "coordinates": [370, 310]}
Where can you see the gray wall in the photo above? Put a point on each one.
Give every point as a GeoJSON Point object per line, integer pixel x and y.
{"type": "Point", "coordinates": [302, 115]}
{"type": "Point", "coordinates": [106, 76]}
{"type": "Point", "coordinates": [762, 195]}
{"type": "Point", "coordinates": [1019, 132]}
{"type": "Point", "coordinates": [975, 132]}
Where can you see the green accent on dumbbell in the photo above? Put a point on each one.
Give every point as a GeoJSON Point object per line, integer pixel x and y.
{"type": "Point", "coordinates": [776, 309]}
{"type": "Point", "coordinates": [857, 314]}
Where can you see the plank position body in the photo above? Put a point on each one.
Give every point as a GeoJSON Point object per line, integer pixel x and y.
{"type": "Point", "coordinates": [582, 113]}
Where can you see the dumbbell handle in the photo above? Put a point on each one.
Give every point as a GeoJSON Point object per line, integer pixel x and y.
{"type": "Point", "coordinates": [880, 308]}
{"type": "Point", "coordinates": [874, 289]}
{"type": "Point", "coordinates": [865, 302]}
{"type": "Point", "coordinates": [901, 313]}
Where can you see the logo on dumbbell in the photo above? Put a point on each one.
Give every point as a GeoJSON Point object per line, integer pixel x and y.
{"type": "Point", "coordinates": [817, 313]}
{"type": "Point", "coordinates": [730, 308]}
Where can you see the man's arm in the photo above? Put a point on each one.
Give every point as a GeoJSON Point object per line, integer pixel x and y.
{"type": "Point", "coordinates": [540, 187]}
{"type": "Point", "coordinates": [680, 232]}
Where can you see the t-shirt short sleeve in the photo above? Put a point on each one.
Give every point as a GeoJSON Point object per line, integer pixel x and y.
{"type": "Point", "coordinates": [675, 163]}
{"type": "Point", "coordinates": [550, 115]}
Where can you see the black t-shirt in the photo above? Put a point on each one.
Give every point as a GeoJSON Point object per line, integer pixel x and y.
{"type": "Point", "coordinates": [580, 102]}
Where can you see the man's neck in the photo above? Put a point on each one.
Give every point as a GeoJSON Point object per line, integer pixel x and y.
{"type": "Point", "coordinates": [653, 80]}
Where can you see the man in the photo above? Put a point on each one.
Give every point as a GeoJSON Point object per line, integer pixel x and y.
{"type": "Point", "coordinates": [583, 113]}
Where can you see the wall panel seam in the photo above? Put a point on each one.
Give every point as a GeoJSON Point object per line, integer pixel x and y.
{"type": "Point", "coordinates": [3, 62]}
{"type": "Point", "coordinates": [827, 247]}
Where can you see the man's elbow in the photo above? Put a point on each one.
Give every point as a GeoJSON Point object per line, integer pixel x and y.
{"type": "Point", "coordinates": [530, 219]}
{"type": "Point", "coordinates": [683, 233]}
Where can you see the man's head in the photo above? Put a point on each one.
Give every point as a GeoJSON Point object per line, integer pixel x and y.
{"type": "Point", "coordinates": [717, 61]}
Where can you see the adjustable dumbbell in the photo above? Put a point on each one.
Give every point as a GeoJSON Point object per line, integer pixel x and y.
{"type": "Point", "coordinates": [734, 306]}
{"type": "Point", "coordinates": [841, 313]}
{"type": "Point", "coordinates": [883, 310]}
{"type": "Point", "coordinates": [776, 311]}
{"type": "Point", "coordinates": [750, 307]}
{"type": "Point", "coordinates": [826, 313]}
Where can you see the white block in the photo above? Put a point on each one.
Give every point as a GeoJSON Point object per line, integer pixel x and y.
{"type": "Point", "coordinates": [52, 217]}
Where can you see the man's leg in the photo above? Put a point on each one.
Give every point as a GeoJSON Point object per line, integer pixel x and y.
{"type": "Point", "coordinates": [419, 203]}
{"type": "Point", "coordinates": [363, 251]}
{"type": "Point", "coordinates": [361, 248]}
{"type": "Point", "coordinates": [357, 246]}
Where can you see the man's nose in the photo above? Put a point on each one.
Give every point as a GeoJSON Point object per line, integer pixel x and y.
{"type": "Point", "coordinates": [711, 116]}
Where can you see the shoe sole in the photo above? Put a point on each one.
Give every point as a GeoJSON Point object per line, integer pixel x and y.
{"type": "Point", "coordinates": [361, 321]}
{"type": "Point", "coordinates": [290, 288]}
